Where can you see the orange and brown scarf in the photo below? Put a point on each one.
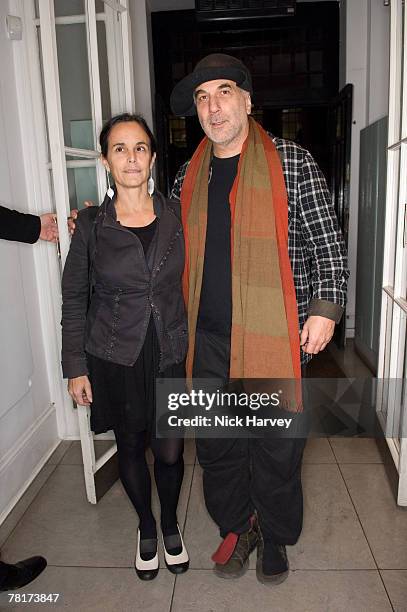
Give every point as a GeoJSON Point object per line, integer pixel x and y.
{"type": "Point", "coordinates": [264, 337]}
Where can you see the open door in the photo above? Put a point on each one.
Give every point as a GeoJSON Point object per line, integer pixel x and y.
{"type": "Point", "coordinates": [83, 70]}
{"type": "Point", "coordinates": [391, 402]}
{"type": "Point", "coordinates": [340, 149]}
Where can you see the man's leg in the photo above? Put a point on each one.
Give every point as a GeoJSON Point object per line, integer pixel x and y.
{"type": "Point", "coordinates": [277, 496]}
{"type": "Point", "coordinates": [226, 470]}
{"type": "Point", "coordinates": [276, 489]}
{"type": "Point", "coordinates": [226, 484]}
{"type": "Point", "coordinates": [276, 492]}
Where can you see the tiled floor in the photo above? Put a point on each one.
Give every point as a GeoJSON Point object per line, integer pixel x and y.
{"type": "Point", "coordinates": [352, 554]}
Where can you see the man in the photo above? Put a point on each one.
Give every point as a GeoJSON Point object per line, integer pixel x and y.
{"type": "Point", "coordinates": [257, 206]}
{"type": "Point", "coordinates": [24, 228]}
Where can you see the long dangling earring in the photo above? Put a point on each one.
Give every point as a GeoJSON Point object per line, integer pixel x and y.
{"type": "Point", "coordinates": [110, 191]}
{"type": "Point", "coordinates": [150, 185]}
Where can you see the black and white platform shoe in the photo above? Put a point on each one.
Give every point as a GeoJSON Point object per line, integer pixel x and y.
{"type": "Point", "coordinates": [146, 570]}
{"type": "Point", "coordinates": [179, 563]}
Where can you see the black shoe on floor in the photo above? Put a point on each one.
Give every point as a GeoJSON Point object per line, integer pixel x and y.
{"type": "Point", "coordinates": [175, 553]}
{"type": "Point", "coordinates": [147, 567]}
{"type": "Point", "coordinates": [22, 573]}
{"type": "Point", "coordinates": [272, 566]}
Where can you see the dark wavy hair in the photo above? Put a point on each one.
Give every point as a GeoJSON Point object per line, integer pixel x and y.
{"type": "Point", "coordinates": [124, 118]}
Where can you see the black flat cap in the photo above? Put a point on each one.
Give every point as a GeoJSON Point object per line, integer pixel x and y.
{"type": "Point", "coordinates": [210, 68]}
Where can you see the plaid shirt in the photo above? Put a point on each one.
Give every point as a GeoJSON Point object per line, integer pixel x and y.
{"type": "Point", "coordinates": [315, 244]}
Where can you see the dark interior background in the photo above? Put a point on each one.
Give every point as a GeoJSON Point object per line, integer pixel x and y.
{"type": "Point", "coordinates": [294, 63]}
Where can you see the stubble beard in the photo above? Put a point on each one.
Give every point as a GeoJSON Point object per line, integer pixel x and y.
{"type": "Point", "coordinates": [230, 134]}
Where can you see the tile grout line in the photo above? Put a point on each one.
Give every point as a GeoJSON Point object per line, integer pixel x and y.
{"type": "Point", "coordinates": [367, 540]}
{"type": "Point", "coordinates": [209, 569]}
{"type": "Point", "coordinates": [332, 450]}
{"type": "Point", "coordinates": [183, 528]}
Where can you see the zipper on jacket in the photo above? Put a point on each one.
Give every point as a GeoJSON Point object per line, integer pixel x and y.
{"type": "Point", "coordinates": [168, 251]}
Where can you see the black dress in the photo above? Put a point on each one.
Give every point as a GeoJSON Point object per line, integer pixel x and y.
{"type": "Point", "coordinates": [124, 396]}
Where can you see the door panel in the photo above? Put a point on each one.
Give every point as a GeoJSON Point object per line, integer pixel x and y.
{"type": "Point", "coordinates": [340, 147]}
{"type": "Point", "coordinates": [81, 42]}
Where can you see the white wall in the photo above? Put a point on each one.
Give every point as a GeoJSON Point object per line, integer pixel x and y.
{"type": "Point", "coordinates": [377, 94]}
{"type": "Point", "coordinates": [367, 68]}
{"type": "Point", "coordinates": [28, 430]}
{"type": "Point", "coordinates": [142, 59]}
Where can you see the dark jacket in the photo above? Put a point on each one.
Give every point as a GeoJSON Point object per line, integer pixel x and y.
{"type": "Point", "coordinates": [126, 288]}
{"type": "Point", "coordinates": [18, 226]}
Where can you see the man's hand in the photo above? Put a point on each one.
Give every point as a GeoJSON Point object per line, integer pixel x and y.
{"type": "Point", "coordinates": [316, 334]}
{"type": "Point", "coordinates": [74, 215]}
{"type": "Point", "coordinates": [49, 227]}
{"type": "Point", "coordinates": [80, 390]}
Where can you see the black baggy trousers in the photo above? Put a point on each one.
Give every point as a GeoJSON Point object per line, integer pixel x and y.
{"type": "Point", "coordinates": [241, 475]}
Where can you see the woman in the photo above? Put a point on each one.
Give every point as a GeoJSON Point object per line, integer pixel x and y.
{"type": "Point", "coordinates": [124, 324]}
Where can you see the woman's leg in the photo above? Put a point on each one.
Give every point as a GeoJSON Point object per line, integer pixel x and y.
{"type": "Point", "coordinates": [135, 476]}
{"type": "Point", "coordinates": [168, 472]}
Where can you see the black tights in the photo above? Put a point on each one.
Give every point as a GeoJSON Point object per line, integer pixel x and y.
{"type": "Point", "coordinates": [135, 476]}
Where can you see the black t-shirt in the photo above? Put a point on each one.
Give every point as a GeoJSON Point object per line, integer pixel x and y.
{"type": "Point", "coordinates": [145, 234]}
{"type": "Point", "coordinates": [215, 308]}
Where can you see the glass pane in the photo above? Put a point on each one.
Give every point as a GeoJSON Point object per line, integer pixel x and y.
{"type": "Point", "coordinates": [63, 8]}
{"type": "Point", "coordinates": [81, 134]}
{"type": "Point", "coordinates": [103, 70]}
{"type": "Point", "coordinates": [73, 77]}
{"type": "Point", "coordinates": [315, 59]}
{"type": "Point", "coordinates": [301, 61]}
{"type": "Point", "coordinates": [82, 186]}
{"type": "Point", "coordinates": [394, 204]}
{"type": "Point", "coordinates": [281, 63]}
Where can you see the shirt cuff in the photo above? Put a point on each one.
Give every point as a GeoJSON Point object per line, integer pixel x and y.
{"type": "Point", "coordinates": [73, 369]}
{"type": "Point", "coordinates": [323, 308]}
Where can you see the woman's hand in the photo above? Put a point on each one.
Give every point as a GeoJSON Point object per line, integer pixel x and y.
{"type": "Point", "coordinates": [80, 390]}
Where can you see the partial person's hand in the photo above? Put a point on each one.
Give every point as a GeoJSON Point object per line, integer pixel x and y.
{"type": "Point", "coordinates": [80, 390]}
{"type": "Point", "coordinates": [74, 215]}
{"type": "Point", "coordinates": [316, 334]}
{"type": "Point", "coordinates": [49, 227]}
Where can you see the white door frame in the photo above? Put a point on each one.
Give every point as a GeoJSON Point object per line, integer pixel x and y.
{"type": "Point", "coordinates": [391, 407]}
{"type": "Point", "coordinates": [116, 13]}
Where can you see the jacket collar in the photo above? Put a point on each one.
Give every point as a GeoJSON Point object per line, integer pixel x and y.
{"type": "Point", "coordinates": [164, 235]}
